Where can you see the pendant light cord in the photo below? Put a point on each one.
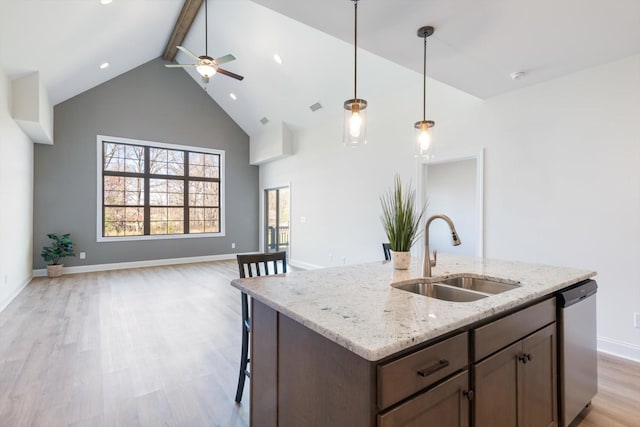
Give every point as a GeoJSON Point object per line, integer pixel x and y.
{"type": "Point", "coordinates": [424, 83]}
{"type": "Point", "coordinates": [206, 29]}
{"type": "Point", "coordinates": [355, 52]}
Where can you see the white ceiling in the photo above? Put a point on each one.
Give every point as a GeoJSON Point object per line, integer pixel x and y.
{"type": "Point", "coordinates": [66, 40]}
{"type": "Point", "coordinates": [475, 48]}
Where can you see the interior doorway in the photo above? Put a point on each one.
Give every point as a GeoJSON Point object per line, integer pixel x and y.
{"type": "Point", "coordinates": [454, 185]}
{"type": "Point", "coordinates": [277, 222]}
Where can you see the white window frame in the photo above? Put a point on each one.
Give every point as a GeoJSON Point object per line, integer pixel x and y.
{"type": "Point", "coordinates": [99, 194]}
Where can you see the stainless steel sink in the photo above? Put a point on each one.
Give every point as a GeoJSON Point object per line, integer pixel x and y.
{"type": "Point", "coordinates": [485, 285]}
{"type": "Point", "coordinates": [439, 291]}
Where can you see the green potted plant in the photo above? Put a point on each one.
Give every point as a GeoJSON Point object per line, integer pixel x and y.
{"type": "Point", "coordinates": [61, 247]}
{"type": "Point", "coordinates": [401, 222]}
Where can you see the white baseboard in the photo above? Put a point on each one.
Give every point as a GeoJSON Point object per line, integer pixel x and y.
{"type": "Point", "coordinates": [136, 264]}
{"type": "Point", "coordinates": [304, 265]}
{"type": "Point", "coordinates": [4, 304]}
{"type": "Point", "coordinates": [619, 348]}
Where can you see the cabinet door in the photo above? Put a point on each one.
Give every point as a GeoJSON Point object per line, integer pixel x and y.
{"type": "Point", "coordinates": [444, 406]}
{"type": "Point", "coordinates": [495, 402]}
{"type": "Point", "coordinates": [538, 381]}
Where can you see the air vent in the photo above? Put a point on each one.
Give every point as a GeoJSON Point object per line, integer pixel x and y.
{"type": "Point", "coordinates": [264, 120]}
{"type": "Point", "coordinates": [315, 107]}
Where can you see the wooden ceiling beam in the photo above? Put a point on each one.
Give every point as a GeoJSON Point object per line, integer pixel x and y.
{"type": "Point", "coordinates": [183, 24]}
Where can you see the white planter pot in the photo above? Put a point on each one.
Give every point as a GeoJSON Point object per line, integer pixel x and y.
{"type": "Point", "coordinates": [401, 260]}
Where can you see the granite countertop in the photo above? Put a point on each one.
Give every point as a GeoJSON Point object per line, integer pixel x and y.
{"type": "Point", "coordinates": [356, 306]}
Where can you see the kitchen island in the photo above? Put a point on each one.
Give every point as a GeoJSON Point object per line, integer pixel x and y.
{"type": "Point", "coordinates": [328, 346]}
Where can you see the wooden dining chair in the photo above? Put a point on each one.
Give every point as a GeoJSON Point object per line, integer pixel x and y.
{"type": "Point", "coordinates": [254, 265]}
{"type": "Point", "coordinates": [386, 248]}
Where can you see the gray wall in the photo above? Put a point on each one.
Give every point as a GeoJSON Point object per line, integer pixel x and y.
{"type": "Point", "coordinates": [151, 103]}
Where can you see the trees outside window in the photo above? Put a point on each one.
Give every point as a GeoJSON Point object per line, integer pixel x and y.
{"type": "Point", "coordinates": [153, 189]}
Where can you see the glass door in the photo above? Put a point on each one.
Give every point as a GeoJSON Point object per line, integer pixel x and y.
{"type": "Point", "coordinates": [276, 219]}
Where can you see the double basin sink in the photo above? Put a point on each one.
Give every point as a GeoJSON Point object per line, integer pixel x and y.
{"type": "Point", "coordinates": [458, 288]}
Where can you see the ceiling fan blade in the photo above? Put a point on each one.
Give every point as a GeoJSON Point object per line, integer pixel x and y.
{"type": "Point", "coordinates": [179, 65]}
{"type": "Point", "coordinates": [188, 52]}
{"type": "Point", "coordinates": [223, 59]}
{"type": "Point", "coordinates": [230, 74]}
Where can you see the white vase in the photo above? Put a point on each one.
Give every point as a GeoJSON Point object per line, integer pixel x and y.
{"type": "Point", "coordinates": [401, 260]}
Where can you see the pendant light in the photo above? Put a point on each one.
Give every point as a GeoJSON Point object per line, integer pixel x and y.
{"type": "Point", "coordinates": [423, 127]}
{"type": "Point", "coordinates": [355, 129]}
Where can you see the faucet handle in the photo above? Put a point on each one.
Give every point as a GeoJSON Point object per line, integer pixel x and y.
{"type": "Point", "coordinates": [435, 258]}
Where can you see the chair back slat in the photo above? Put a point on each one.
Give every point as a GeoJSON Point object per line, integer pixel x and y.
{"type": "Point", "coordinates": [254, 265]}
{"type": "Point", "coordinates": [386, 249]}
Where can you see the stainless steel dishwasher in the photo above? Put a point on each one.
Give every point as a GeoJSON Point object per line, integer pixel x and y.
{"type": "Point", "coordinates": [577, 354]}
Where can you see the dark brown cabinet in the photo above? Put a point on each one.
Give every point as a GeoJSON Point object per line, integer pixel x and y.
{"type": "Point", "coordinates": [445, 405]}
{"type": "Point", "coordinates": [500, 372]}
{"type": "Point", "coordinates": [517, 385]}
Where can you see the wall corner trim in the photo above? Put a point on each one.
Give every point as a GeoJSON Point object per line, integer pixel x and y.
{"type": "Point", "coordinates": [4, 304]}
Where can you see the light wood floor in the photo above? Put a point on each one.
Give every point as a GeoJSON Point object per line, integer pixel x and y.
{"type": "Point", "coordinates": [160, 347]}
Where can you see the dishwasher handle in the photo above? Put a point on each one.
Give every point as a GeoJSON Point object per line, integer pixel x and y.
{"type": "Point", "coordinates": [574, 294]}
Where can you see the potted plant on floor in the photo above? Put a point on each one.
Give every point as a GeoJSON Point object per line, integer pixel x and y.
{"type": "Point", "coordinates": [401, 221]}
{"type": "Point", "coordinates": [61, 247]}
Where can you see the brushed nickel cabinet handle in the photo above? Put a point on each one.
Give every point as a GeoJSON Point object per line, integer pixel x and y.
{"type": "Point", "coordinates": [433, 368]}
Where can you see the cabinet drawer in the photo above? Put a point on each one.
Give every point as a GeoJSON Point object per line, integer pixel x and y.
{"type": "Point", "coordinates": [500, 333]}
{"type": "Point", "coordinates": [443, 406]}
{"type": "Point", "coordinates": [412, 373]}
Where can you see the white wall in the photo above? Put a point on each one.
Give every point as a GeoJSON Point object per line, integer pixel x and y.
{"type": "Point", "coordinates": [16, 199]}
{"type": "Point", "coordinates": [562, 177]}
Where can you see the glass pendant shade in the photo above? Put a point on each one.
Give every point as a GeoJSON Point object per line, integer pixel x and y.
{"type": "Point", "coordinates": [354, 132]}
{"type": "Point", "coordinates": [355, 121]}
{"type": "Point", "coordinates": [424, 135]}
{"type": "Point", "coordinates": [424, 138]}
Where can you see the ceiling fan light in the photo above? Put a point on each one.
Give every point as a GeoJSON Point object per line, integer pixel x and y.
{"type": "Point", "coordinates": [206, 70]}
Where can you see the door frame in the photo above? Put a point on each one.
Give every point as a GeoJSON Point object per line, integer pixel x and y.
{"type": "Point", "coordinates": [262, 241]}
{"type": "Point", "coordinates": [478, 156]}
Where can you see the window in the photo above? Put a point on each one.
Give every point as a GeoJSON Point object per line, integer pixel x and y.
{"type": "Point", "coordinates": [149, 190]}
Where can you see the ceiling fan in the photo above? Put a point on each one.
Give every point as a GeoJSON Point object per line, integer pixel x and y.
{"type": "Point", "coordinates": [206, 65]}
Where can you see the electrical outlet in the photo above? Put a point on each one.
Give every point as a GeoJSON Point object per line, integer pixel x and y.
{"type": "Point", "coordinates": [83, 255]}
{"type": "Point", "coordinates": [233, 245]}
{"type": "Point", "coordinates": [330, 257]}
{"type": "Point", "coordinates": [636, 320]}
{"type": "Point", "coordinates": [303, 220]}
{"type": "Point", "coordinates": [344, 259]}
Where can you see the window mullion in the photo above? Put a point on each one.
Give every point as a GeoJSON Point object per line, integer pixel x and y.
{"type": "Point", "coordinates": [147, 186]}
{"type": "Point", "coordinates": [186, 193]}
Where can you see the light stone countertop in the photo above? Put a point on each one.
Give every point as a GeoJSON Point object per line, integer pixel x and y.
{"type": "Point", "coordinates": [356, 306]}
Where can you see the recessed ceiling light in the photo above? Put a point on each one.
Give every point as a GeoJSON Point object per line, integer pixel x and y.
{"type": "Point", "coordinates": [233, 96]}
{"type": "Point", "coordinates": [105, 1]}
{"type": "Point", "coordinates": [104, 65]}
{"type": "Point", "coordinates": [277, 58]}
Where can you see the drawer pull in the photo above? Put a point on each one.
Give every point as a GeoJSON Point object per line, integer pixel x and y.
{"type": "Point", "coordinates": [433, 368]}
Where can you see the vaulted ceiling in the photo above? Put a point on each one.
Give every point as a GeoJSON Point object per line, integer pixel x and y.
{"type": "Point", "coordinates": [475, 48]}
